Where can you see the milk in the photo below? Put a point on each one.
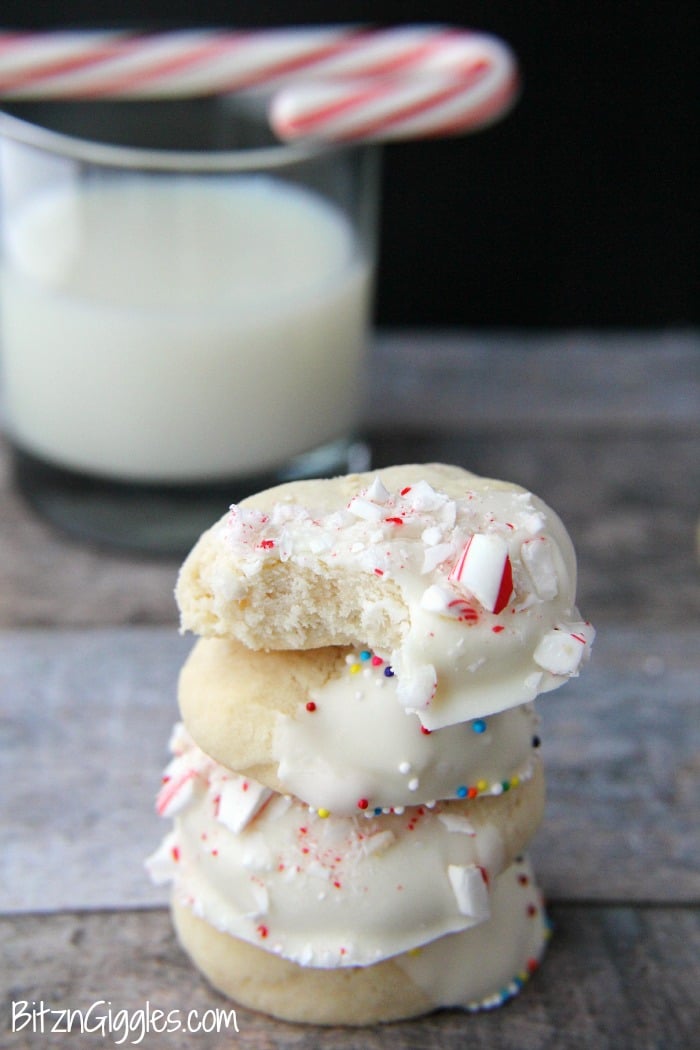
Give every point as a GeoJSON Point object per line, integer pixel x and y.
{"type": "Point", "coordinates": [185, 331]}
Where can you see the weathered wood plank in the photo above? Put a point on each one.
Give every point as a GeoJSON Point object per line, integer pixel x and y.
{"type": "Point", "coordinates": [86, 721]}
{"type": "Point", "coordinates": [566, 380]}
{"type": "Point", "coordinates": [621, 747]}
{"type": "Point", "coordinates": [87, 715]}
{"type": "Point", "coordinates": [614, 979]}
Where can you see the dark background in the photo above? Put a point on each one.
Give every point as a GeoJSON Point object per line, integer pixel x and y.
{"type": "Point", "coordinates": [577, 210]}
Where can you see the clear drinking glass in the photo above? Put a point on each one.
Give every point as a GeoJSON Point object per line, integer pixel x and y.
{"type": "Point", "coordinates": [184, 310]}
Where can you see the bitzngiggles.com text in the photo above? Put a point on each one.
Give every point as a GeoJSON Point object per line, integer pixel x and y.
{"type": "Point", "coordinates": [121, 1026]}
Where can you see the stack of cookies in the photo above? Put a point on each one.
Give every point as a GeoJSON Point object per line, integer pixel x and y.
{"type": "Point", "coordinates": [357, 775]}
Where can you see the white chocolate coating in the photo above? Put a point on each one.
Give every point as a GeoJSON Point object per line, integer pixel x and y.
{"type": "Point", "coordinates": [465, 585]}
{"type": "Point", "coordinates": [334, 891]}
{"type": "Point", "coordinates": [477, 969]}
{"type": "Point", "coordinates": [358, 745]}
{"type": "Point", "coordinates": [325, 725]}
{"type": "Point", "coordinates": [483, 967]}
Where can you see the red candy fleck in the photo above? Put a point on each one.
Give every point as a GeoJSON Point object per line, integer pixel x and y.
{"type": "Point", "coordinates": [395, 521]}
{"type": "Point", "coordinates": [498, 628]}
{"type": "Point", "coordinates": [472, 793]}
{"type": "Point", "coordinates": [267, 545]}
{"type": "Point", "coordinates": [379, 572]}
{"type": "Point", "coordinates": [531, 910]}
{"type": "Point", "coordinates": [424, 731]}
{"type": "Point", "coordinates": [506, 588]}
{"type": "Point", "coordinates": [377, 661]}
{"type": "Point", "coordinates": [532, 965]}
{"type": "Point", "coordinates": [175, 853]}
{"type": "Point", "coordinates": [405, 492]}
{"type": "Point", "coordinates": [263, 931]}
{"type": "Point", "coordinates": [465, 612]}
{"type": "Point", "coordinates": [311, 706]}
{"type": "Point", "coordinates": [362, 803]}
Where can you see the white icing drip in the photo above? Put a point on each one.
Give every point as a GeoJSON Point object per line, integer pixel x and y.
{"type": "Point", "coordinates": [359, 743]}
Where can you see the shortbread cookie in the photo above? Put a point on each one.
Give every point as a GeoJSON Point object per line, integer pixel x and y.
{"type": "Point", "coordinates": [330, 891]}
{"type": "Point", "coordinates": [464, 585]}
{"type": "Point", "coordinates": [325, 725]}
{"type": "Point", "coordinates": [476, 969]}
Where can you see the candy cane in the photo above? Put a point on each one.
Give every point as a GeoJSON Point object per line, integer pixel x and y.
{"type": "Point", "coordinates": [329, 83]}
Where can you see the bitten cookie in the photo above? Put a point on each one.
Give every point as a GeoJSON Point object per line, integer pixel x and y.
{"type": "Point", "coordinates": [464, 585]}
{"type": "Point", "coordinates": [326, 725]}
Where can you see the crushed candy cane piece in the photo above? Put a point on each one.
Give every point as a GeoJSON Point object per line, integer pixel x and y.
{"type": "Point", "coordinates": [470, 890]}
{"type": "Point", "coordinates": [435, 556]}
{"type": "Point", "coordinates": [175, 793]}
{"type": "Point", "coordinates": [561, 650]}
{"type": "Point", "coordinates": [423, 497]}
{"type": "Point", "coordinates": [240, 799]}
{"type": "Point", "coordinates": [379, 842]}
{"type": "Point", "coordinates": [458, 823]}
{"type": "Point", "coordinates": [417, 690]}
{"type": "Point", "coordinates": [261, 900]}
{"type": "Point", "coordinates": [161, 864]}
{"type": "Point", "coordinates": [439, 600]}
{"type": "Point", "coordinates": [377, 492]}
{"type": "Point", "coordinates": [484, 570]}
{"type": "Point", "coordinates": [363, 508]}
{"type": "Point", "coordinates": [538, 559]}
{"type": "Point", "coordinates": [533, 522]}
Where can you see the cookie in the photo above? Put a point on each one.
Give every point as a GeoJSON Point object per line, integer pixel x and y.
{"type": "Point", "coordinates": [325, 890]}
{"type": "Point", "coordinates": [326, 725]}
{"type": "Point", "coordinates": [464, 585]}
{"type": "Point", "coordinates": [476, 969]}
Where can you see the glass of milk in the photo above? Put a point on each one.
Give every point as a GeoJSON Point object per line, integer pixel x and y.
{"type": "Point", "coordinates": [184, 311]}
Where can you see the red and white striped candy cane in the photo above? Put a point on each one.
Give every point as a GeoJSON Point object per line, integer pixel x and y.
{"type": "Point", "coordinates": [436, 82]}
{"type": "Point", "coordinates": [329, 83]}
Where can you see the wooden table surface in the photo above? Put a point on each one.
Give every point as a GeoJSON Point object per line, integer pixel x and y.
{"type": "Point", "coordinates": [606, 428]}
